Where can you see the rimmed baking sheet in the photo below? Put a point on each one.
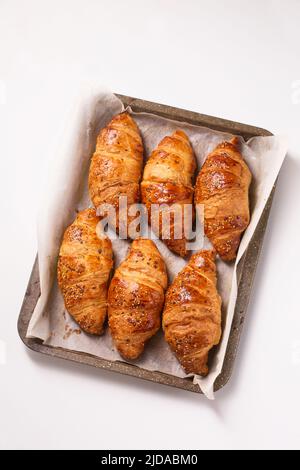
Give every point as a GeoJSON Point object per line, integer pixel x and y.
{"type": "Point", "coordinates": [247, 267]}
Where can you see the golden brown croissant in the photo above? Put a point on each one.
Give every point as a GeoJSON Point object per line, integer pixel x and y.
{"type": "Point", "coordinates": [192, 313]}
{"type": "Point", "coordinates": [136, 297]}
{"type": "Point", "coordinates": [83, 270]}
{"type": "Point", "coordinates": [167, 180]}
{"type": "Point", "coordinates": [222, 187]}
{"type": "Point", "coordinates": [116, 165]}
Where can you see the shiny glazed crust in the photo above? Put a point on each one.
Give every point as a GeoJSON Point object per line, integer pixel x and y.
{"type": "Point", "coordinates": [83, 271]}
{"type": "Point", "coordinates": [116, 165]}
{"type": "Point", "coordinates": [222, 186]}
{"type": "Point", "coordinates": [192, 313]}
{"type": "Point", "coordinates": [136, 297]}
{"type": "Point", "coordinates": [167, 180]}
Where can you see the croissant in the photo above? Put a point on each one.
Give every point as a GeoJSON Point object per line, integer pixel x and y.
{"type": "Point", "coordinates": [136, 297]}
{"type": "Point", "coordinates": [83, 270]}
{"type": "Point", "coordinates": [167, 180]}
{"type": "Point", "coordinates": [192, 313]}
{"type": "Point", "coordinates": [116, 165]}
{"type": "Point", "coordinates": [222, 187]}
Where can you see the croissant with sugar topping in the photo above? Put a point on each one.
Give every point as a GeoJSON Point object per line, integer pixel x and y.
{"type": "Point", "coordinates": [222, 186]}
{"type": "Point", "coordinates": [192, 313]}
{"type": "Point", "coordinates": [136, 298]}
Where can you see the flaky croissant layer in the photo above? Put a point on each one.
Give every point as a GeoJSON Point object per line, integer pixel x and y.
{"type": "Point", "coordinates": [116, 165]}
{"type": "Point", "coordinates": [222, 186]}
{"type": "Point", "coordinates": [136, 297]}
{"type": "Point", "coordinates": [192, 313]}
{"type": "Point", "coordinates": [83, 271]}
{"type": "Point", "coordinates": [167, 181]}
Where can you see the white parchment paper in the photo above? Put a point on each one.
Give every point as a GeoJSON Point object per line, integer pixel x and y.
{"type": "Point", "coordinates": [67, 192]}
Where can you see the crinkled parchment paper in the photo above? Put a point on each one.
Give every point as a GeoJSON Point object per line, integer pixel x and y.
{"type": "Point", "coordinates": [67, 192]}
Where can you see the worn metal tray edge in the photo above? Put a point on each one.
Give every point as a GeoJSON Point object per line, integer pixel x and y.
{"type": "Point", "coordinates": [191, 117]}
{"type": "Point", "coordinates": [246, 271]}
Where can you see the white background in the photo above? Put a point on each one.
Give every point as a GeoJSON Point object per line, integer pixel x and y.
{"type": "Point", "coordinates": [235, 59]}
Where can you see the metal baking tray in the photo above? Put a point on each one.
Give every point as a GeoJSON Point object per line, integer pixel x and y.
{"type": "Point", "coordinates": [246, 269]}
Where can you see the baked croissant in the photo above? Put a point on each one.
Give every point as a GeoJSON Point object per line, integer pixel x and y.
{"type": "Point", "coordinates": [136, 297]}
{"type": "Point", "coordinates": [192, 313]}
{"type": "Point", "coordinates": [116, 165]}
{"type": "Point", "coordinates": [167, 180]}
{"type": "Point", "coordinates": [84, 266]}
{"type": "Point", "coordinates": [222, 186]}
